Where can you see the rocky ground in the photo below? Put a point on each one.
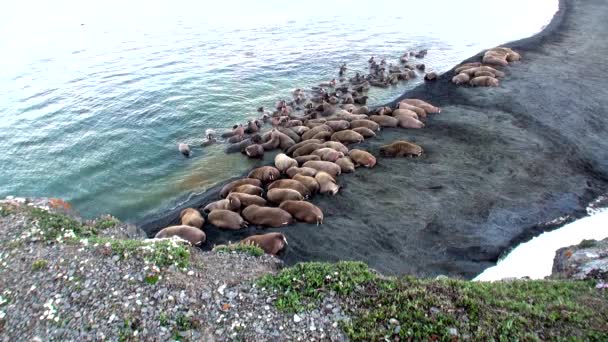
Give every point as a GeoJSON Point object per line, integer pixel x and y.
{"type": "Point", "coordinates": [587, 260]}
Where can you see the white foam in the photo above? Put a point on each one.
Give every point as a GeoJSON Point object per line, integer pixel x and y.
{"type": "Point", "coordinates": [534, 258]}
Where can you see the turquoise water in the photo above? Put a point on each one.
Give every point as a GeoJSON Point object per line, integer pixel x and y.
{"type": "Point", "coordinates": [95, 96]}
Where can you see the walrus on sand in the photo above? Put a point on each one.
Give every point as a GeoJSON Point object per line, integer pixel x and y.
{"type": "Point", "coordinates": [325, 166]}
{"type": "Point", "coordinates": [271, 243]}
{"type": "Point", "coordinates": [428, 108]}
{"type": "Point", "coordinates": [299, 130]}
{"type": "Point", "coordinates": [306, 149]}
{"type": "Point", "coordinates": [401, 148]}
{"type": "Point", "coordinates": [246, 199]}
{"type": "Point", "coordinates": [466, 66]}
{"type": "Point", "coordinates": [248, 189]}
{"type": "Point", "coordinates": [303, 211]}
{"type": "Point", "coordinates": [336, 145]}
{"type": "Point", "coordinates": [226, 219]}
{"type": "Point", "coordinates": [278, 195]}
{"type": "Point", "coordinates": [231, 203]}
{"type": "Point", "coordinates": [365, 123]}
{"type": "Point", "coordinates": [365, 132]}
{"type": "Point", "coordinates": [322, 135]}
{"type": "Point", "coordinates": [346, 165]}
{"type": "Point", "coordinates": [313, 131]}
{"type": "Point", "coordinates": [303, 159]}
{"type": "Point", "coordinates": [302, 143]}
{"type": "Point", "coordinates": [267, 217]}
{"type": "Point", "coordinates": [406, 121]}
{"type": "Point", "coordinates": [306, 171]}
{"type": "Point", "coordinates": [290, 184]}
{"type": "Point", "coordinates": [419, 111]}
{"type": "Point", "coordinates": [408, 112]}
{"type": "Point", "coordinates": [228, 187]}
{"type": "Point", "coordinates": [484, 81]}
{"type": "Point", "coordinates": [191, 217]}
{"type": "Point", "coordinates": [309, 181]}
{"type": "Point", "coordinates": [361, 157]}
{"type": "Point", "coordinates": [347, 137]}
{"type": "Point", "coordinates": [327, 183]}
{"type": "Point", "coordinates": [384, 120]}
{"type": "Point", "coordinates": [328, 154]}
{"type": "Point", "coordinates": [195, 236]}
{"type": "Point", "coordinates": [461, 79]}
{"type": "Point", "coordinates": [282, 162]}
{"type": "Point", "coordinates": [265, 174]}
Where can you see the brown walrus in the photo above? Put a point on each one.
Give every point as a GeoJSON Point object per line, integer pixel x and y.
{"type": "Point", "coordinates": [279, 195]}
{"type": "Point", "coordinates": [285, 141]}
{"type": "Point", "coordinates": [365, 132]}
{"type": "Point", "coordinates": [361, 157]}
{"type": "Point", "coordinates": [322, 135]}
{"type": "Point", "coordinates": [384, 120]}
{"type": "Point", "coordinates": [336, 145]}
{"type": "Point", "coordinates": [195, 236]}
{"type": "Point", "coordinates": [328, 154]}
{"type": "Point", "coordinates": [428, 108]}
{"type": "Point", "coordinates": [347, 137]}
{"type": "Point", "coordinates": [185, 150]}
{"type": "Point", "coordinates": [512, 56]}
{"type": "Point", "coordinates": [431, 76]}
{"type": "Point", "coordinates": [265, 174]}
{"type": "Point", "coordinates": [309, 181]}
{"type": "Point", "coordinates": [228, 187]}
{"type": "Point", "coordinates": [192, 217]}
{"type": "Point", "coordinates": [466, 66]}
{"type": "Point", "coordinates": [483, 73]}
{"type": "Point", "coordinates": [267, 217]}
{"type": "Point", "coordinates": [299, 130]}
{"type": "Point", "coordinates": [419, 111]}
{"type": "Point", "coordinates": [302, 143]}
{"type": "Point", "coordinates": [325, 166]}
{"type": "Point", "coordinates": [327, 183]}
{"type": "Point", "coordinates": [365, 123]}
{"type": "Point", "coordinates": [408, 112]}
{"type": "Point", "coordinates": [471, 72]}
{"type": "Point", "coordinates": [289, 133]}
{"type": "Point", "coordinates": [306, 171]}
{"type": "Point", "coordinates": [461, 79]}
{"type": "Point", "coordinates": [231, 203]}
{"type": "Point", "coordinates": [401, 148]}
{"type": "Point", "coordinates": [273, 143]}
{"type": "Point", "coordinates": [271, 243]}
{"type": "Point", "coordinates": [306, 149]}
{"type": "Point", "coordinates": [226, 219]}
{"type": "Point", "coordinates": [338, 125]}
{"type": "Point", "coordinates": [293, 123]}
{"type": "Point", "coordinates": [255, 151]}
{"type": "Point", "coordinates": [345, 164]}
{"type": "Point", "coordinates": [406, 121]}
{"type": "Point", "coordinates": [313, 131]}
{"type": "Point", "coordinates": [283, 162]}
{"type": "Point", "coordinates": [361, 110]}
{"type": "Point", "coordinates": [303, 211]}
{"type": "Point", "coordinates": [246, 199]}
{"type": "Point", "coordinates": [303, 159]}
{"type": "Point", "coordinates": [484, 81]}
{"type": "Point", "coordinates": [248, 189]}
{"type": "Point", "coordinates": [290, 184]}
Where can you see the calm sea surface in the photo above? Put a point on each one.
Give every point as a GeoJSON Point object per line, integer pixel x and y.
{"type": "Point", "coordinates": [95, 96]}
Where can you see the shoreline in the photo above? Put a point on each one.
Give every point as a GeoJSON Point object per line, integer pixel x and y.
{"type": "Point", "coordinates": [497, 219]}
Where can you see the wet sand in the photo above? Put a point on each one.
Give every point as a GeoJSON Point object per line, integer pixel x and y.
{"type": "Point", "coordinates": [499, 162]}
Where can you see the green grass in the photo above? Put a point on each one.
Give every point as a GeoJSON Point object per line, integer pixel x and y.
{"type": "Point", "coordinates": [240, 248]}
{"type": "Point", "coordinates": [432, 309]}
{"type": "Point", "coordinates": [587, 244]}
{"type": "Point", "coordinates": [105, 222]}
{"type": "Point", "coordinates": [55, 226]}
{"type": "Point", "coordinates": [5, 210]}
{"type": "Point", "coordinates": [161, 253]}
{"type": "Point", "coordinates": [163, 319]}
{"type": "Point", "coordinates": [40, 264]}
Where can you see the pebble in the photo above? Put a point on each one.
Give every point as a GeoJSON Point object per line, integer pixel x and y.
{"type": "Point", "coordinates": [297, 318]}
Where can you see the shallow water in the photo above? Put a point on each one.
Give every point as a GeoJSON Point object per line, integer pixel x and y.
{"type": "Point", "coordinates": [95, 97]}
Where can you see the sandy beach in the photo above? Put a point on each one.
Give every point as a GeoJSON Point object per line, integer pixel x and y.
{"type": "Point", "coordinates": [499, 163]}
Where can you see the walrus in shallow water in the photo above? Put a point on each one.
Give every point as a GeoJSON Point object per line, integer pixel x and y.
{"type": "Point", "coordinates": [184, 149]}
{"type": "Point", "coordinates": [271, 243]}
{"type": "Point", "coordinates": [365, 123]}
{"type": "Point", "coordinates": [306, 171]}
{"type": "Point", "coordinates": [267, 217]}
{"type": "Point", "coordinates": [290, 184]}
{"type": "Point", "coordinates": [226, 219]}
{"type": "Point", "coordinates": [255, 151]}
{"type": "Point", "coordinates": [191, 217]}
{"type": "Point", "coordinates": [461, 79]}
{"type": "Point", "coordinates": [324, 166]}
{"type": "Point", "coordinates": [282, 162]}
{"type": "Point", "coordinates": [346, 164]}
{"type": "Point", "coordinates": [401, 148]}
{"type": "Point", "coordinates": [246, 199]}
{"type": "Point", "coordinates": [484, 81]}
{"type": "Point", "coordinates": [430, 76]}
{"type": "Point", "coordinates": [327, 183]}
{"type": "Point", "coordinates": [278, 195]}
{"type": "Point", "coordinates": [384, 120]}
{"type": "Point", "coordinates": [231, 203]}
{"type": "Point", "coordinates": [347, 137]}
{"type": "Point", "coordinates": [228, 187]}
{"type": "Point", "coordinates": [265, 174]}
{"type": "Point", "coordinates": [303, 211]}
{"type": "Point", "coordinates": [365, 132]}
{"type": "Point", "coordinates": [309, 182]}
{"type": "Point", "coordinates": [195, 236]}
{"type": "Point", "coordinates": [363, 158]}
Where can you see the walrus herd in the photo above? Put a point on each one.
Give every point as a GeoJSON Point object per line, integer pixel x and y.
{"type": "Point", "coordinates": [484, 73]}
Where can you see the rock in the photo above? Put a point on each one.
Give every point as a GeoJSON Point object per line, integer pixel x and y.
{"type": "Point", "coordinates": [453, 331]}
{"type": "Point", "coordinates": [296, 318]}
{"type": "Point", "coordinates": [587, 260]}
{"type": "Point", "coordinates": [393, 321]}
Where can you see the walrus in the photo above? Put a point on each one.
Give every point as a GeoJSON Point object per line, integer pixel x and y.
{"type": "Point", "coordinates": [361, 110]}
{"type": "Point", "coordinates": [299, 130]}
{"type": "Point", "coordinates": [306, 149]}
{"type": "Point", "coordinates": [309, 181]}
{"type": "Point", "coordinates": [365, 123]}
{"type": "Point", "coordinates": [512, 56]}
{"type": "Point", "coordinates": [345, 164]}
{"type": "Point", "coordinates": [271, 243]}
{"type": "Point", "coordinates": [408, 112]}
{"type": "Point", "coordinates": [290, 184]}
{"type": "Point", "coordinates": [293, 123]}
{"type": "Point", "coordinates": [303, 159]}
{"type": "Point", "coordinates": [235, 139]}
{"type": "Point", "coordinates": [313, 131]}
{"type": "Point", "coordinates": [195, 236]}
{"type": "Point", "coordinates": [279, 195]}
{"type": "Point", "coordinates": [349, 107]}
{"type": "Point", "coordinates": [272, 143]}
{"type": "Point", "coordinates": [401, 148]}
{"type": "Point", "coordinates": [461, 79]}
{"type": "Point", "coordinates": [384, 120]}
{"type": "Point", "coordinates": [420, 66]}
{"type": "Point", "coordinates": [430, 76]}
{"type": "Point", "coordinates": [363, 158]}
{"type": "Point", "coordinates": [226, 219]}
{"type": "Point", "coordinates": [290, 134]}
{"type": "Point", "coordinates": [248, 189]}
{"type": "Point", "coordinates": [419, 111]}
{"type": "Point", "coordinates": [347, 137]}
{"type": "Point", "coordinates": [191, 217]}
{"type": "Point", "coordinates": [306, 171]}
{"type": "Point", "coordinates": [338, 125]}
{"type": "Point", "coordinates": [406, 121]}
{"type": "Point", "coordinates": [303, 211]}
{"type": "Point", "coordinates": [185, 150]}
{"type": "Point", "coordinates": [471, 72]}
{"type": "Point", "coordinates": [466, 66]}
{"type": "Point", "coordinates": [265, 174]}
{"type": "Point", "coordinates": [255, 151]}
{"type": "Point", "coordinates": [253, 126]}
{"type": "Point", "coordinates": [282, 162]}
{"type": "Point", "coordinates": [327, 183]}
{"type": "Point", "coordinates": [241, 146]}
{"type": "Point", "coordinates": [322, 135]}
{"type": "Point", "coordinates": [484, 81]}
{"type": "Point", "coordinates": [267, 217]}
{"type": "Point", "coordinates": [228, 187]}
{"type": "Point", "coordinates": [231, 203]}
{"type": "Point", "coordinates": [245, 199]}
{"type": "Point", "coordinates": [428, 108]}
{"type": "Point", "coordinates": [328, 154]}
{"type": "Point", "coordinates": [362, 100]}
{"type": "Point", "coordinates": [324, 166]}
{"type": "Point", "coordinates": [336, 145]}
{"type": "Point", "coordinates": [302, 143]}
{"type": "Point", "coordinates": [365, 132]}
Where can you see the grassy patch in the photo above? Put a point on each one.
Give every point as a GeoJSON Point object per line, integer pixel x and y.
{"type": "Point", "coordinates": [160, 253]}
{"type": "Point", "coordinates": [5, 210]}
{"type": "Point", "coordinates": [419, 309]}
{"type": "Point", "coordinates": [587, 244]}
{"type": "Point", "coordinates": [105, 222]}
{"type": "Point", "coordinates": [50, 226]}
{"type": "Point", "coordinates": [40, 264]}
{"type": "Point", "coordinates": [163, 319]}
{"type": "Point", "coordinates": [240, 248]}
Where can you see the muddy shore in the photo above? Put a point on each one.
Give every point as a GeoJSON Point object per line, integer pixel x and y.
{"type": "Point", "coordinates": [499, 162]}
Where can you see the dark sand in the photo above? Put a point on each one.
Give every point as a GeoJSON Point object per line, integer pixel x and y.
{"type": "Point", "coordinates": [499, 162]}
